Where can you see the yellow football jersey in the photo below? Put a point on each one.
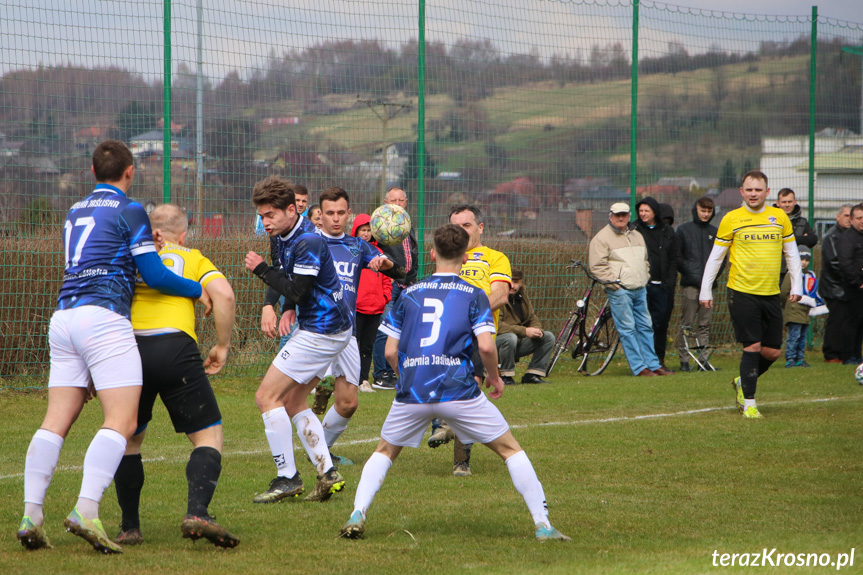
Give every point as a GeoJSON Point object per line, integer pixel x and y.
{"type": "Point", "coordinates": [755, 243]}
{"type": "Point", "coordinates": [153, 310]}
{"type": "Point", "coordinates": [484, 267]}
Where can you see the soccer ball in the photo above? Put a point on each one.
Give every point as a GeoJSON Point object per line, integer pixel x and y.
{"type": "Point", "coordinates": [858, 375]}
{"type": "Point", "coordinates": [390, 224]}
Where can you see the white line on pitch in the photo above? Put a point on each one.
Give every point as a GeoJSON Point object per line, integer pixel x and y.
{"type": "Point", "coordinates": [520, 426]}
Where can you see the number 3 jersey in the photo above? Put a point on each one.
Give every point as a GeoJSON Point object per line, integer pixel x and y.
{"type": "Point", "coordinates": [435, 321]}
{"type": "Point", "coordinates": [102, 234]}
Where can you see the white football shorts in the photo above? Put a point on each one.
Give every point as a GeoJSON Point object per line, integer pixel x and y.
{"type": "Point", "coordinates": [475, 420]}
{"type": "Point", "coordinates": [308, 355]}
{"type": "Point", "coordinates": [347, 363]}
{"type": "Point", "coordinates": [91, 341]}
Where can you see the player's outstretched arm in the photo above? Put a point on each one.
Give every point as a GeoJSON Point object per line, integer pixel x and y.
{"type": "Point", "coordinates": [488, 354]}
{"type": "Point", "coordinates": [294, 289]}
{"type": "Point", "coordinates": [224, 310]}
{"type": "Point", "coordinates": [711, 269]}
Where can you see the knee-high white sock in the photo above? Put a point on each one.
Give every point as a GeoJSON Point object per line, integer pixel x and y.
{"type": "Point", "coordinates": [39, 465]}
{"type": "Point", "coordinates": [334, 425]}
{"type": "Point", "coordinates": [527, 484]}
{"type": "Point", "coordinates": [374, 473]}
{"type": "Point", "coordinates": [277, 426]}
{"type": "Point", "coordinates": [311, 434]}
{"type": "Point", "coordinates": [100, 464]}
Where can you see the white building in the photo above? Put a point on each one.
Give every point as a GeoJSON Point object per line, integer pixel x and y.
{"type": "Point", "coordinates": [838, 173]}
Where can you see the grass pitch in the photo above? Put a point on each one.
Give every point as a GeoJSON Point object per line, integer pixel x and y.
{"type": "Point", "coordinates": [646, 475]}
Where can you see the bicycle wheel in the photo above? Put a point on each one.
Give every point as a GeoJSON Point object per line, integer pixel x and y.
{"type": "Point", "coordinates": [564, 338]}
{"type": "Point", "coordinates": [601, 346]}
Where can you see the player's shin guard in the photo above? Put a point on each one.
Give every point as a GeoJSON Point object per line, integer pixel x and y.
{"type": "Point", "coordinates": [334, 425]}
{"type": "Point", "coordinates": [277, 426]}
{"type": "Point", "coordinates": [202, 474]}
{"type": "Point", "coordinates": [374, 472]}
{"type": "Point", "coordinates": [128, 482]}
{"type": "Point", "coordinates": [311, 434]}
{"type": "Point", "coordinates": [461, 452]}
{"type": "Point", "coordinates": [749, 363]}
{"type": "Point", "coordinates": [39, 465]}
{"type": "Point", "coordinates": [527, 484]}
{"type": "Point", "coordinates": [100, 464]}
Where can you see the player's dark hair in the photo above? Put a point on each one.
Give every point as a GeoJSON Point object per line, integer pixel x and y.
{"type": "Point", "coordinates": [110, 160]}
{"type": "Point", "coordinates": [274, 191]}
{"type": "Point", "coordinates": [706, 203]}
{"type": "Point", "coordinates": [333, 195]}
{"type": "Point", "coordinates": [756, 175]}
{"type": "Point", "coordinates": [300, 190]}
{"type": "Point", "coordinates": [477, 214]}
{"type": "Point", "coordinates": [857, 208]}
{"type": "Point", "coordinates": [784, 192]}
{"type": "Point", "coordinates": [450, 241]}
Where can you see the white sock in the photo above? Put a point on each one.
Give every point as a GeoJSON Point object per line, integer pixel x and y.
{"type": "Point", "coordinates": [374, 473]}
{"type": "Point", "coordinates": [100, 464]}
{"type": "Point", "coordinates": [311, 434]}
{"type": "Point", "coordinates": [527, 484]}
{"type": "Point", "coordinates": [747, 403]}
{"type": "Point", "coordinates": [277, 427]}
{"type": "Point", "coordinates": [334, 425]}
{"type": "Point", "coordinates": [42, 457]}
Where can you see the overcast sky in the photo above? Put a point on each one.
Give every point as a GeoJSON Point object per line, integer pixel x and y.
{"type": "Point", "coordinates": [243, 34]}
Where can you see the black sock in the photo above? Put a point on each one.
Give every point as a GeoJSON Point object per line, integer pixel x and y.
{"type": "Point", "coordinates": [202, 473]}
{"type": "Point", "coordinates": [764, 364]}
{"type": "Point", "coordinates": [128, 482]}
{"type": "Point", "coordinates": [749, 371]}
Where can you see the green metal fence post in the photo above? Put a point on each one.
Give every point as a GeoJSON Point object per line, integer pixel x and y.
{"type": "Point", "coordinates": [813, 69]}
{"type": "Point", "coordinates": [633, 121]}
{"type": "Point", "coordinates": [421, 134]}
{"type": "Point", "coordinates": [166, 108]}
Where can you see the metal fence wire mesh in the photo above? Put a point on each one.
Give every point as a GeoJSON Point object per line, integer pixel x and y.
{"type": "Point", "coordinates": [530, 109]}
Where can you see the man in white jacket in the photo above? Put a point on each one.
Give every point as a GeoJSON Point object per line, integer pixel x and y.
{"type": "Point", "coordinates": [618, 254]}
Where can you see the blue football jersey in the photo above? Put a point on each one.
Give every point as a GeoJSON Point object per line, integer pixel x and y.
{"type": "Point", "coordinates": [102, 234]}
{"type": "Point", "coordinates": [304, 252]}
{"type": "Point", "coordinates": [351, 255]}
{"type": "Point", "coordinates": [435, 321]}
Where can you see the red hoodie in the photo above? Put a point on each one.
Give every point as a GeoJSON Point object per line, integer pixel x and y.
{"type": "Point", "coordinates": [375, 289]}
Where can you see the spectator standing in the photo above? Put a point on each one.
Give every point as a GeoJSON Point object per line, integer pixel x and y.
{"type": "Point", "coordinates": [695, 241]}
{"type": "Point", "coordinates": [374, 294]}
{"type": "Point", "coordinates": [796, 314]}
{"type": "Point", "coordinates": [662, 255]}
{"type": "Point", "coordinates": [406, 255]}
{"type": "Point", "coordinates": [618, 254]}
{"type": "Point", "coordinates": [849, 249]}
{"type": "Point", "coordinates": [520, 334]}
{"type": "Point", "coordinates": [804, 235]}
{"type": "Point", "coordinates": [830, 287]}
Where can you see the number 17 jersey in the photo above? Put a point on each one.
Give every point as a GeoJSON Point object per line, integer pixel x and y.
{"type": "Point", "coordinates": [435, 321]}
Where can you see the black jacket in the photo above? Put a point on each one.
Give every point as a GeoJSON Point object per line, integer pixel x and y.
{"type": "Point", "coordinates": [830, 284]}
{"type": "Point", "coordinates": [695, 240]}
{"type": "Point", "coordinates": [849, 248]}
{"type": "Point", "coordinates": [397, 254]}
{"type": "Point", "coordinates": [804, 235]}
{"type": "Point", "coordinates": [661, 246]}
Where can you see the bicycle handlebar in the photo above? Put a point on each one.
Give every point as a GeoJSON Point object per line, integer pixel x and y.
{"type": "Point", "coordinates": [580, 264]}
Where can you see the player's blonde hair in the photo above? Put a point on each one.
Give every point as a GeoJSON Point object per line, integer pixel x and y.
{"type": "Point", "coordinates": [169, 218]}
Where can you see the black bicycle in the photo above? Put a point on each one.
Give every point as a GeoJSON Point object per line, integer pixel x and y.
{"type": "Point", "coordinates": [593, 349]}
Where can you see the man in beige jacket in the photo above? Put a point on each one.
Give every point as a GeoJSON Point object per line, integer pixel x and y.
{"type": "Point", "coordinates": [618, 254]}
